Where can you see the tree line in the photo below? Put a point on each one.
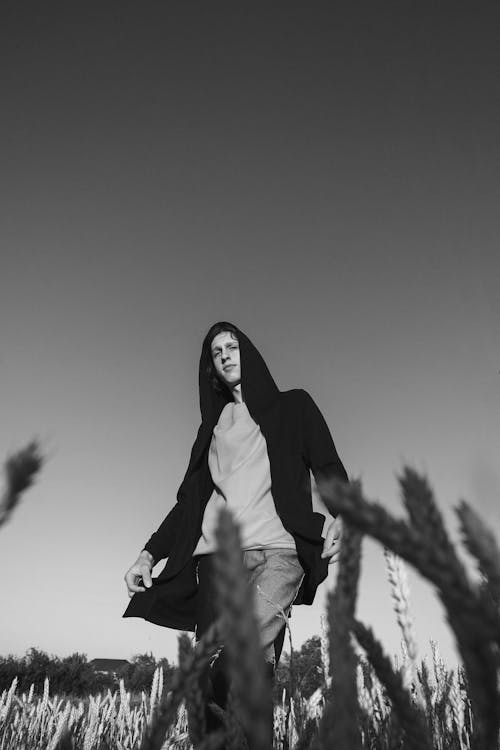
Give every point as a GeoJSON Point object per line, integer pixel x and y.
{"type": "Point", "coordinates": [75, 675]}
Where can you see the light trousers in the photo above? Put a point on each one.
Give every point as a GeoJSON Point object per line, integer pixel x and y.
{"type": "Point", "coordinates": [274, 576]}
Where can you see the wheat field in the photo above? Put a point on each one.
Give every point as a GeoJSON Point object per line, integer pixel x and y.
{"type": "Point", "coordinates": [368, 700]}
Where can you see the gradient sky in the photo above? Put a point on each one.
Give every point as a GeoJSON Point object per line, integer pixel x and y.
{"type": "Point", "coordinates": [324, 175]}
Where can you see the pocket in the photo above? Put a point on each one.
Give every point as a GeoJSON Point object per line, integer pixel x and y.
{"type": "Point", "coordinates": [252, 558]}
{"type": "Point", "coordinates": [288, 557]}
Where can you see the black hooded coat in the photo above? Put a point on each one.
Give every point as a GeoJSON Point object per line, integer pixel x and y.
{"type": "Point", "coordinates": [298, 440]}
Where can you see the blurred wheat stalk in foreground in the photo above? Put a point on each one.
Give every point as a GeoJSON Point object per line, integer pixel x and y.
{"type": "Point", "coordinates": [367, 701]}
{"type": "Point", "coordinates": [20, 471]}
{"type": "Point", "coordinates": [472, 611]}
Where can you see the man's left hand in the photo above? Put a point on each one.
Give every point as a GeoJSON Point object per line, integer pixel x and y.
{"type": "Point", "coordinates": [331, 547]}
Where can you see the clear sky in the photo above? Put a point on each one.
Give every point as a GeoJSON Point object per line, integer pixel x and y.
{"type": "Point", "coordinates": [324, 175]}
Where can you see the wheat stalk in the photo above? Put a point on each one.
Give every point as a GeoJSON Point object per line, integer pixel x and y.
{"type": "Point", "coordinates": [409, 717]}
{"type": "Point", "coordinates": [457, 710]}
{"type": "Point", "coordinates": [481, 543]}
{"type": "Point", "coordinates": [475, 623]}
{"type": "Point", "coordinates": [195, 705]}
{"type": "Point", "coordinates": [339, 725]}
{"type": "Point", "coordinates": [60, 733]}
{"type": "Point", "coordinates": [234, 738]}
{"type": "Point", "coordinates": [190, 670]}
{"type": "Point", "coordinates": [252, 688]}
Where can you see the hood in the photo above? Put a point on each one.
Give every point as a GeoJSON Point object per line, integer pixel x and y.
{"type": "Point", "coordinates": [259, 393]}
{"type": "Point", "coordinates": [257, 384]}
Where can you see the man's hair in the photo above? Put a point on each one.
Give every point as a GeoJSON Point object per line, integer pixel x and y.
{"type": "Point", "coordinates": [221, 327]}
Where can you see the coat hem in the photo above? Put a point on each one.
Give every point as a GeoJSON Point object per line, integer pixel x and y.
{"type": "Point", "coordinates": [173, 624]}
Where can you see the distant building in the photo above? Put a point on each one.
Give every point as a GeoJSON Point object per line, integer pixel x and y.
{"type": "Point", "coordinates": [108, 666]}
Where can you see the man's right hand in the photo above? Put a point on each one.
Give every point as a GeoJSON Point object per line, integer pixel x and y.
{"type": "Point", "coordinates": [140, 570]}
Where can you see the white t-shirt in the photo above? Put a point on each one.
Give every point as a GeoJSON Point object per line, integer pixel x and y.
{"type": "Point", "coordinates": [239, 465]}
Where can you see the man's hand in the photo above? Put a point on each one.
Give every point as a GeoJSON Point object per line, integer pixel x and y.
{"type": "Point", "coordinates": [331, 547]}
{"type": "Point", "coordinates": [140, 570]}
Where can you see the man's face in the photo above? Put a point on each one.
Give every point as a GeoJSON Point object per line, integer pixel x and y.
{"type": "Point", "coordinates": [226, 358]}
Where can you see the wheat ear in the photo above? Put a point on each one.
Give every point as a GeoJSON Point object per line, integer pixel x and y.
{"type": "Point", "coordinates": [20, 471]}
{"type": "Point", "coordinates": [426, 518]}
{"type": "Point", "coordinates": [61, 734]}
{"type": "Point", "coordinates": [400, 594]}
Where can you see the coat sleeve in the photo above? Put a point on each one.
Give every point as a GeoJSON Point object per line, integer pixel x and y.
{"type": "Point", "coordinates": [319, 449]}
{"type": "Point", "coordinates": [160, 542]}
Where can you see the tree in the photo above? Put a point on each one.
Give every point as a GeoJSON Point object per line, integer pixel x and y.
{"type": "Point", "coordinates": [304, 672]}
{"type": "Point", "coordinates": [309, 667]}
{"type": "Point", "coordinates": [78, 677]}
{"type": "Point", "coordinates": [138, 675]}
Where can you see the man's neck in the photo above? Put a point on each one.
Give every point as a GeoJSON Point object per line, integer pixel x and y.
{"type": "Point", "coordinates": [237, 395]}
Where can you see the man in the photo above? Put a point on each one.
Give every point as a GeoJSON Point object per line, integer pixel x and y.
{"type": "Point", "coordinates": [254, 451]}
